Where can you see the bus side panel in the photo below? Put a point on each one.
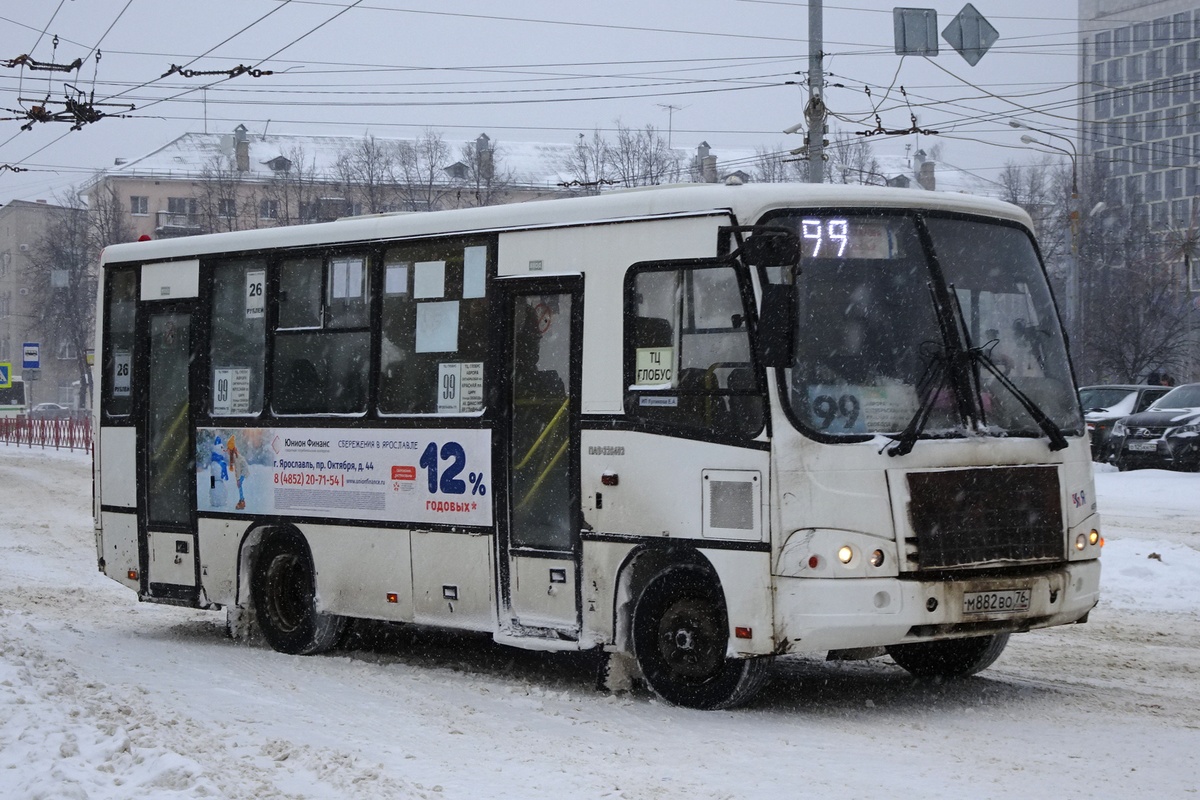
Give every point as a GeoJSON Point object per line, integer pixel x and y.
{"type": "Point", "coordinates": [746, 581]}
{"type": "Point", "coordinates": [363, 572]}
{"type": "Point", "coordinates": [454, 583]}
{"type": "Point", "coordinates": [118, 467]}
{"type": "Point", "coordinates": [219, 543]}
{"type": "Point", "coordinates": [659, 487]}
{"type": "Point", "coordinates": [118, 544]}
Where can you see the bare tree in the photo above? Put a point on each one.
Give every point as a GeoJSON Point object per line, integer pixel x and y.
{"type": "Point", "coordinates": [587, 164]}
{"type": "Point", "coordinates": [483, 181]}
{"type": "Point", "coordinates": [773, 165]}
{"type": "Point", "coordinates": [291, 195]}
{"type": "Point", "coordinates": [367, 172]}
{"type": "Point", "coordinates": [642, 158]}
{"type": "Point", "coordinates": [851, 159]}
{"type": "Point", "coordinates": [225, 199]}
{"type": "Point", "coordinates": [420, 167]}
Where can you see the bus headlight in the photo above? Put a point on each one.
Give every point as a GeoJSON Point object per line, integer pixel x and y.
{"type": "Point", "coordinates": [845, 554]}
{"type": "Point", "coordinates": [1081, 541]}
{"type": "Point", "coordinates": [877, 558]}
{"type": "Point", "coordinates": [1094, 536]}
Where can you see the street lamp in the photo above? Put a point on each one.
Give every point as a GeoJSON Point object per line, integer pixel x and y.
{"type": "Point", "coordinates": [1074, 321]}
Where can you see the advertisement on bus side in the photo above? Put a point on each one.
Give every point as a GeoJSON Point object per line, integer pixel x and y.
{"type": "Point", "coordinates": [417, 476]}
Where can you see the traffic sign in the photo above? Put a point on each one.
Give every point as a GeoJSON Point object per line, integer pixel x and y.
{"type": "Point", "coordinates": [970, 34]}
{"type": "Point", "coordinates": [31, 355]}
{"type": "Point", "coordinates": [5, 375]}
{"type": "Point", "coordinates": [916, 31]}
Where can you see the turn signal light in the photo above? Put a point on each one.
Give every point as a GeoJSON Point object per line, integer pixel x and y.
{"type": "Point", "coordinates": [743, 633]}
{"type": "Point", "coordinates": [392, 597]}
{"type": "Point", "coordinates": [132, 574]}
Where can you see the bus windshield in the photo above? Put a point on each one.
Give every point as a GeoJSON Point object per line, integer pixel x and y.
{"type": "Point", "coordinates": [871, 355]}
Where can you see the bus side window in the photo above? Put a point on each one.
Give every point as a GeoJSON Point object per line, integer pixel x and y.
{"type": "Point", "coordinates": [435, 328]}
{"type": "Point", "coordinates": [238, 341]}
{"type": "Point", "coordinates": [322, 345]}
{"type": "Point", "coordinates": [120, 316]}
{"type": "Point", "coordinates": [688, 350]}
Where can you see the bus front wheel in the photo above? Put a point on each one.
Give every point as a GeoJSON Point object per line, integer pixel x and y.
{"type": "Point", "coordinates": [284, 589]}
{"type": "Point", "coordinates": [680, 635]}
{"type": "Point", "coordinates": [949, 658]}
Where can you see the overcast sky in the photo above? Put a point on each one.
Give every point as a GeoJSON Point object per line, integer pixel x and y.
{"type": "Point", "coordinates": [525, 70]}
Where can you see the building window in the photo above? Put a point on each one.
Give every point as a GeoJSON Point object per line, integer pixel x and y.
{"type": "Point", "coordinates": [1172, 181]}
{"type": "Point", "coordinates": [1133, 129]}
{"type": "Point", "coordinates": [1153, 126]}
{"type": "Point", "coordinates": [1102, 106]}
{"type": "Point", "coordinates": [1162, 31]}
{"type": "Point", "coordinates": [1182, 23]}
{"type": "Point", "coordinates": [1121, 102]}
{"type": "Point", "coordinates": [226, 208]}
{"type": "Point", "coordinates": [139, 205]}
{"type": "Point", "coordinates": [1162, 93]}
{"type": "Point", "coordinates": [1154, 64]}
{"type": "Point", "coordinates": [1141, 36]}
{"type": "Point", "coordinates": [181, 206]}
{"type": "Point", "coordinates": [1121, 41]}
{"type": "Point", "coordinates": [1135, 68]}
{"type": "Point", "coordinates": [268, 209]}
{"type": "Point", "coordinates": [1154, 186]}
{"type": "Point", "coordinates": [1104, 45]}
{"type": "Point", "coordinates": [1160, 156]}
{"type": "Point", "coordinates": [1180, 152]}
{"type": "Point", "coordinates": [1133, 188]}
{"type": "Point", "coordinates": [1175, 59]}
{"type": "Point", "coordinates": [1116, 69]}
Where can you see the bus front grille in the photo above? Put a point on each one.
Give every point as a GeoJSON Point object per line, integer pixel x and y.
{"type": "Point", "coordinates": [984, 516]}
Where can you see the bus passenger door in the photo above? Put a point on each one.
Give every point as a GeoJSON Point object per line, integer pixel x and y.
{"type": "Point", "coordinates": [167, 457]}
{"type": "Point", "coordinates": [539, 552]}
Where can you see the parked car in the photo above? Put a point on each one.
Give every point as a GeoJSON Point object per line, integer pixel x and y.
{"type": "Point", "coordinates": [1104, 405]}
{"type": "Point", "coordinates": [1166, 435]}
{"type": "Point", "coordinates": [49, 411]}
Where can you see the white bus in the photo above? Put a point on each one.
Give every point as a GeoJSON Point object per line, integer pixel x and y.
{"type": "Point", "coordinates": [12, 396]}
{"type": "Point", "coordinates": [687, 428]}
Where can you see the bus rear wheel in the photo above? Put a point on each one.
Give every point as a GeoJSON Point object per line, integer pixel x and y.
{"type": "Point", "coordinates": [949, 658]}
{"type": "Point", "coordinates": [680, 635]}
{"type": "Point", "coordinates": [284, 590]}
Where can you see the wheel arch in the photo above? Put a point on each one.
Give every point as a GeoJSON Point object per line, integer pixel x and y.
{"type": "Point", "coordinates": [642, 567]}
{"type": "Point", "coordinates": [249, 548]}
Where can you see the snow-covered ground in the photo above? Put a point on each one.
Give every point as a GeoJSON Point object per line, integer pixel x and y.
{"type": "Point", "coordinates": [103, 697]}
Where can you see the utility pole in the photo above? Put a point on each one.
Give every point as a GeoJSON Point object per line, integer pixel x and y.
{"type": "Point", "coordinates": [814, 112]}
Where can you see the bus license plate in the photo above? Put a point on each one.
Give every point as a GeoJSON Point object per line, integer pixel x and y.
{"type": "Point", "coordinates": [1002, 602]}
{"type": "Point", "coordinates": [1143, 447]}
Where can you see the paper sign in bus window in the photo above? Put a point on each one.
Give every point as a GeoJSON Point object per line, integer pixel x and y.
{"type": "Point", "coordinates": [654, 366]}
{"type": "Point", "coordinates": [231, 390]}
{"type": "Point", "coordinates": [256, 283]}
{"type": "Point", "coordinates": [429, 280]}
{"type": "Point", "coordinates": [122, 364]}
{"type": "Point", "coordinates": [460, 387]}
{"type": "Point", "coordinates": [347, 278]}
{"type": "Point", "coordinates": [437, 327]}
{"type": "Point", "coordinates": [395, 280]}
{"type": "Point", "coordinates": [474, 272]}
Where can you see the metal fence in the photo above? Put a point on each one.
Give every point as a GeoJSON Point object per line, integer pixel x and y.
{"type": "Point", "coordinates": [68, 433]}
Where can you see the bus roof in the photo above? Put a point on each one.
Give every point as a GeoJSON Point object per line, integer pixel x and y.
{"type": "Point", "coordinates": [748, 202]}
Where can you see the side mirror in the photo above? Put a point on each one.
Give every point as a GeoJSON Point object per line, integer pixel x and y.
{"type": "Point", "coordinates": [776, 325]}
{"type": "Point", "coordinates": [771, 247]}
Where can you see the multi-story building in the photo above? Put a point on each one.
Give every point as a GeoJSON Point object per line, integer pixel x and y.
{"type": "Point", "coordinates": [23, 226]}
{"type": "Point", "coordinates": [1141, 109]}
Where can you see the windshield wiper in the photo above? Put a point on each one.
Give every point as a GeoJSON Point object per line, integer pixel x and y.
{"type": "Point", "coordinates": [980, 356]}
{"type": "Point", "coordinates": [931, 385]}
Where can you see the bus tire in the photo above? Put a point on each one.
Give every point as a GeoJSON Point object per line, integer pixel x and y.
{"type": "Point", "coordinates": [680, 636]}
{"type": "Point", "coordinates": [949, 658]}
{"type": "Point", "coordinates": [284, 590]}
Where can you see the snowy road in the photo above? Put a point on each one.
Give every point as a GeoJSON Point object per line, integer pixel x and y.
{"type": "Point", "coordinates": [103, 697]}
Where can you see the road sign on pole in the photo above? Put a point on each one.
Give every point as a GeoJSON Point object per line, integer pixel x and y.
{"type": "Point", "coordinates": [31, 355]}
{"type": "Point", "coordinates": [916, 31]}
{"type": "Point", "coordinates": [5, 375]}
{"type": "Point", "coordinates": [970, 34]}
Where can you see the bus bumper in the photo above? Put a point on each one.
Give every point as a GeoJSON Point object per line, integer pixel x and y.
{"type": "Point", "coordinates": [819, 614]}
